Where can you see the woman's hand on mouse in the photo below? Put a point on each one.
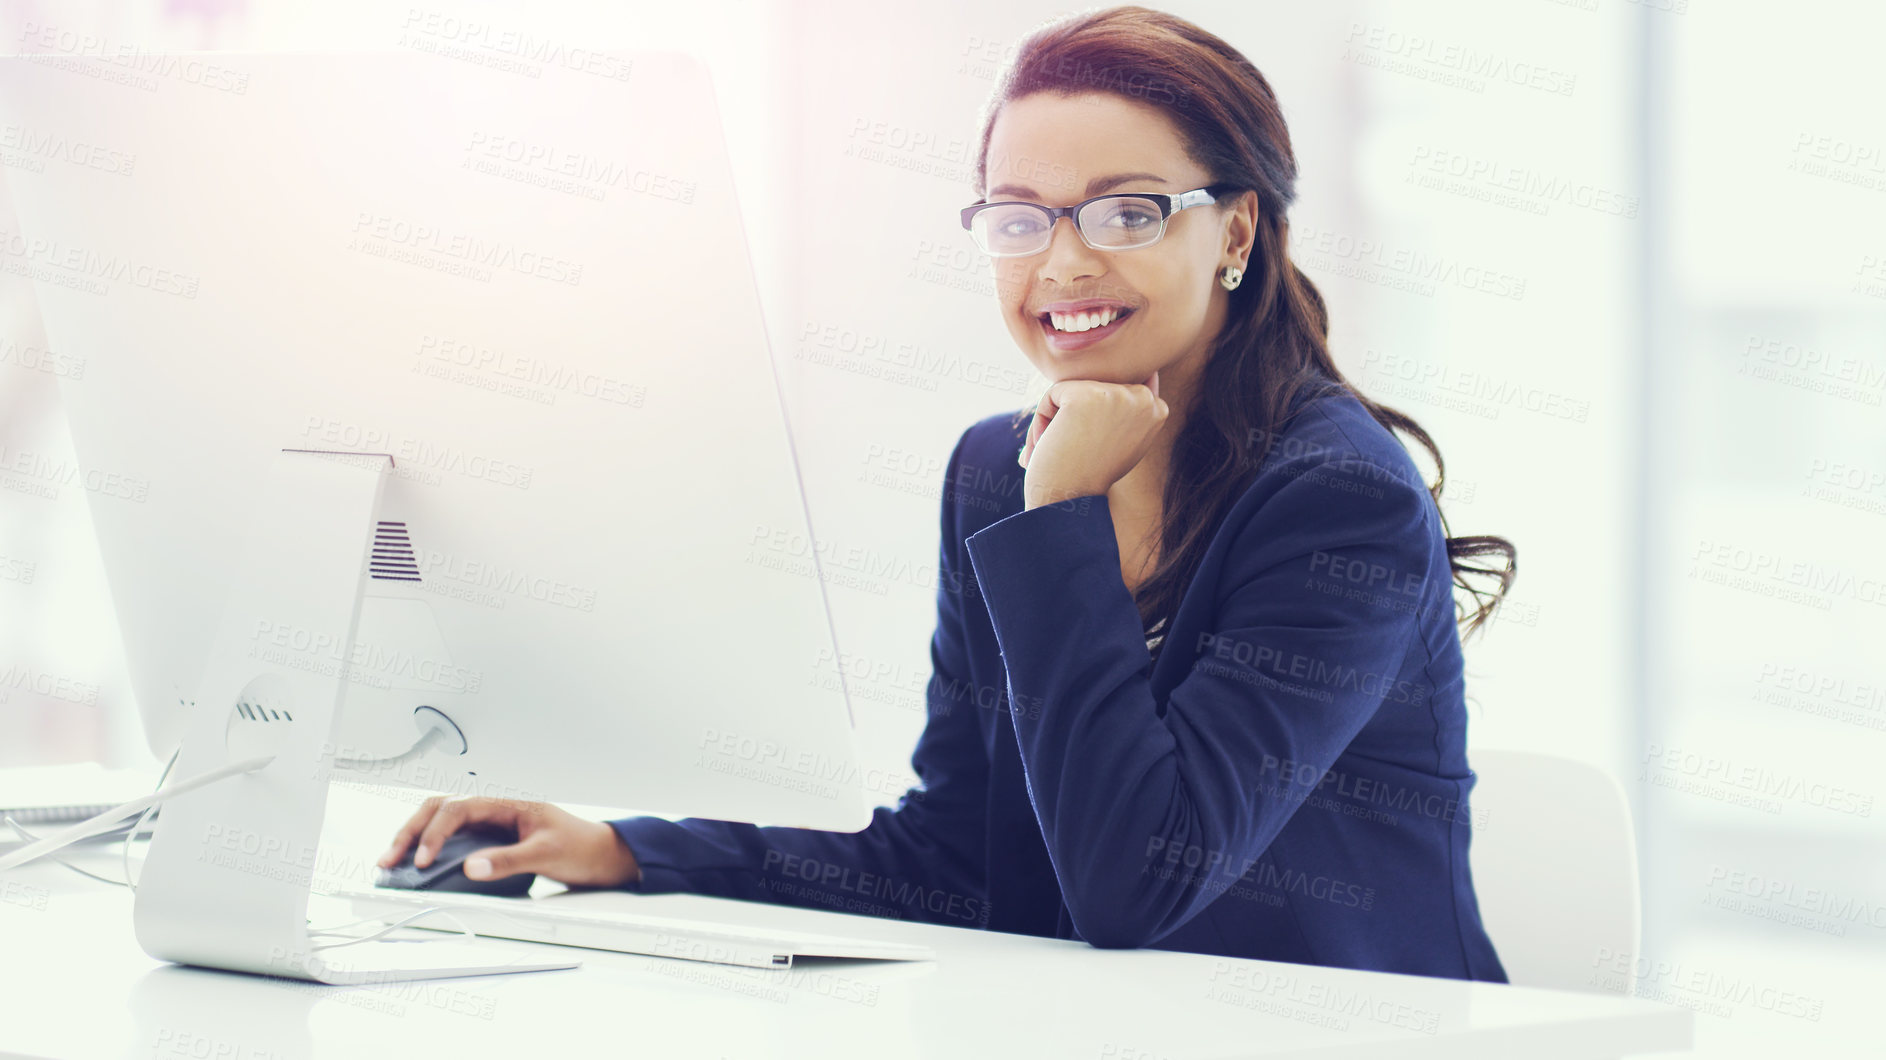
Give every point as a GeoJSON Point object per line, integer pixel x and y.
{"type": "Point", "coordinates": [550, 842]}
{"type": "Point", "coordinates": [1086, 435]}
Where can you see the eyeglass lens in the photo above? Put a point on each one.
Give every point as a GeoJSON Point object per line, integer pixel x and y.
{"type": "Point", "coordinates": [1115, 223]}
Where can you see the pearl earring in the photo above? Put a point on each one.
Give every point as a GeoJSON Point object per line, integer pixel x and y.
{"type": "Point", "coordinates": [1231, 277]}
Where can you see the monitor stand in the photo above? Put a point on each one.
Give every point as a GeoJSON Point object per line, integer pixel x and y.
{"type": "Point", "coordinates": [226, 881]}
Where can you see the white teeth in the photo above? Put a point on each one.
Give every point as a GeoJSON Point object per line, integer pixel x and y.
{"type": "Point", "coordinates": [1074, 322]}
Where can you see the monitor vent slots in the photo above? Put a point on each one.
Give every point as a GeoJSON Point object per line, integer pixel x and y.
{"type": "Point", "coordinates": [393, 559]}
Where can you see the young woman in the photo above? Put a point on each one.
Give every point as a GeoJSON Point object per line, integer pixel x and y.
{"type": "Point", "coordinates": [1206, 588]}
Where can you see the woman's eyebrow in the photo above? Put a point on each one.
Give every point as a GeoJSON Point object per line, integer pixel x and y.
{"type": "Point", "coordinates": [1094, 186]}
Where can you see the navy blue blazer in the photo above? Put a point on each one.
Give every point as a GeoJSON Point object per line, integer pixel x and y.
{"type": "Point", "coordinates": [1287, 781]}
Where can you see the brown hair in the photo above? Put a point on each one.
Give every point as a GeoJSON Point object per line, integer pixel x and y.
{"type": "Point", "coordinates": [1273, 351]}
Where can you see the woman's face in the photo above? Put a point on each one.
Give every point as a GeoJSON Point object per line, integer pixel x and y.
{"type": "Point", "coordinates": [1058, 150]}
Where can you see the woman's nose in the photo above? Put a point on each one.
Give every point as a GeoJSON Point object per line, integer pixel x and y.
{"type": "Point", "coordinates": [1068, 257]}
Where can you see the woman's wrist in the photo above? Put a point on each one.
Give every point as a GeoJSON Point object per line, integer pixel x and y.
{"type": "Point", "coordinates": [615, 861]}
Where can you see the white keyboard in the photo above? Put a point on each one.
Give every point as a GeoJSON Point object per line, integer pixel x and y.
{"type": "Point", "coordinates": [539, 920]}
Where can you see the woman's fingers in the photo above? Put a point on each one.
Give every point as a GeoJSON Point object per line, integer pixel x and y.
{"type": "Point", "coordinates": [550, 842]}
{"type": "Point", "coordinates": [565, 848]}
{"type": "Point", "coordinates": [410, 831]}
{"type": "Point", "coordinates": [456, 814]}
{"type": "Point", "coordinates": [1044, 411]}
{"type": "Point", "coordinates": [495, 863]}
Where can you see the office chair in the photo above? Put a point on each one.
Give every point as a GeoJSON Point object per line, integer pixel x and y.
{"type": "Point", "coordinates": [1555, 869]}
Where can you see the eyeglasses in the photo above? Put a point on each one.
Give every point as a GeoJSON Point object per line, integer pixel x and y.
{"type": "Point", "coordinates": [1119, 221]}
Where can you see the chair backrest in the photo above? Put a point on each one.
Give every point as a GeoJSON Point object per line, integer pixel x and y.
{"type": "Point", "coordinates": [1555, 871]}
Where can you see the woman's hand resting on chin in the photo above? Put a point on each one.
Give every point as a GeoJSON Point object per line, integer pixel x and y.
{"type": "Point", "coordinates": [1087, 435]}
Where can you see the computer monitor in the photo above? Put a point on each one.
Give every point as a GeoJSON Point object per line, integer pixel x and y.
{"type": "Point", "coordinates": [450, 371]}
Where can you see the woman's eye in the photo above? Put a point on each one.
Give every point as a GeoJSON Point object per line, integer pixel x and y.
{"type": "Point", "coordinates": [1020, 225]}
{"type": "Point", "coordinates": [1130, 217]}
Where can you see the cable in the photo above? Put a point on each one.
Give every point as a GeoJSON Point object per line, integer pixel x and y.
{"type": "Point", "coordinates": [124, 846]}
{"type": "Point", "coordinates": [108, 820]}
{"type": "Point", "coordinates": [427, 740]}
{"type": "Point", "coordinates": [464, 931]}
{"type": "Point", "coordinates": [338, 931]}
{"type": "Point", "coordinates": [433, 736]}
{"type": "Point", "coordinates": [124, 851]}
{"type": "Point", "coordinates": [22, 831]}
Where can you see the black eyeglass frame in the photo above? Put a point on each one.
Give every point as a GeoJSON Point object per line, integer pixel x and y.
{"type": "Point", "coordinates": [1169, 203]}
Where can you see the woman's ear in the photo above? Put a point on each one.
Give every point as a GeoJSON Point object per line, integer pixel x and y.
{"type": "Point", "coordinates": [1241, 229]}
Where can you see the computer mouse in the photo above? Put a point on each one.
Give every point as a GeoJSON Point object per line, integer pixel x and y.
{"type": "Point", "coordinates": [445, 872]}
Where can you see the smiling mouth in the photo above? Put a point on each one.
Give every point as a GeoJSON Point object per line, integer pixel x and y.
{"type": "Point", "coordinates": [1081, 323]}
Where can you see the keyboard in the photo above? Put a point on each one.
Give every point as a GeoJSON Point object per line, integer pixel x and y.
{"type": "Point", "coordinates": [539, 920]}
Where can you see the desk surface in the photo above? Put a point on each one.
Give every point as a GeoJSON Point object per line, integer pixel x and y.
{"type": "Point", "coordinates": [73, 983]}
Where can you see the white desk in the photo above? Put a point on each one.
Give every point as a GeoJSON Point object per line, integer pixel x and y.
{"type": "Point", "coordinates": [73, 983]}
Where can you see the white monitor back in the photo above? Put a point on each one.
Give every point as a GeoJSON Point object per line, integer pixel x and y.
{"type": "Point", "coordinates": [534, 292]}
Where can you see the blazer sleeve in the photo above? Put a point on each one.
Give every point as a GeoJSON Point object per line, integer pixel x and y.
{"type": "Point", "coordinates": [923, 860]}
{"type": "Point", "coordinates": [1315, 616]}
